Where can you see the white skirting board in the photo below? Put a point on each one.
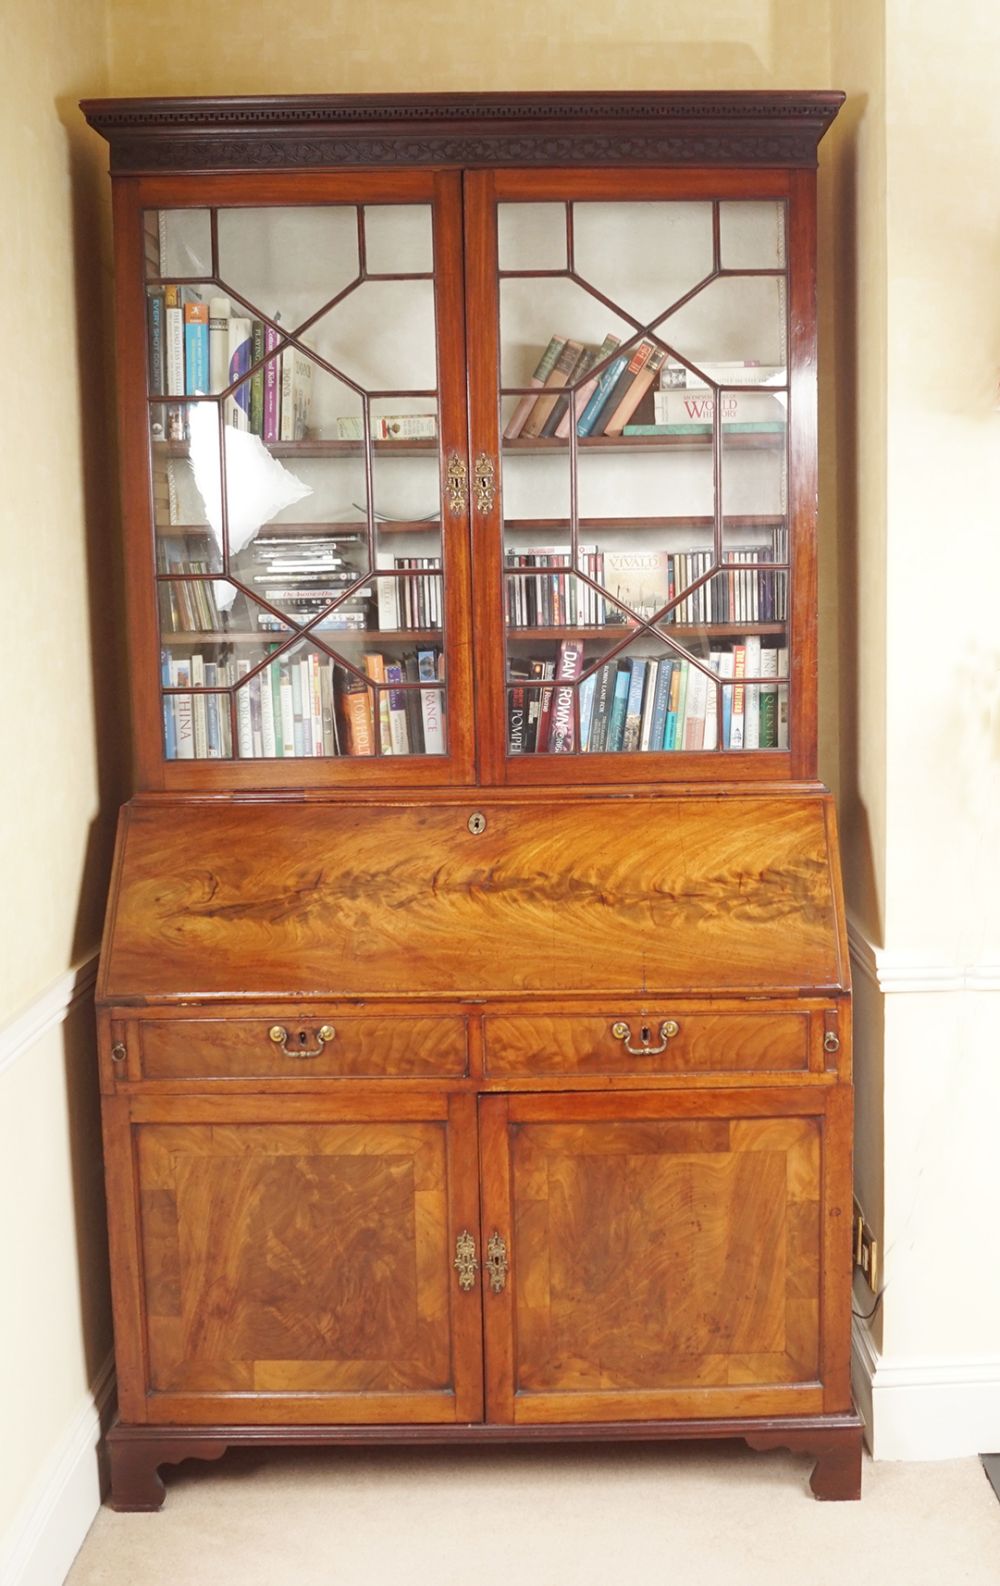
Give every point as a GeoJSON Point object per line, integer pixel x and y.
{"type": "Point", "coordinates": [46, 1536]}
{"type": "Point", "coordinates": [925, 1408]}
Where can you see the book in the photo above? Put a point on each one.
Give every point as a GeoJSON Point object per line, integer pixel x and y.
{"type": "Point", "coordinates": [173, 313]}
{"type": "Point", "coordinates": [768, 737]}
{"type": "Point", "coordinates": [735, 407]}
{"type": "Point", "coordinates": [638, 581]}
{"type": "Point", "coordinates": [244, 732]}
{"type": "Point", "coordinates": [156, 370]}
{"type": "Point", "coordinates": [603, 698]}
{"type": "Point", "coordinates": [584, 359]}
{"type": "Point", "coordinates": [272, 386]}
{"type": "Point", "coordinates": [269, 735]}
{"type": "Point", "coordinates": [356, 713]}
{"type": "Point", "coordinates": [180, 677]}
{"type": "Point", "coordinates": [169, 723]}
{"type": "Point", "coordinates": [196, 377]}
{"type": "Point", "coordinates": [240, 352]}
{"type": "Point", "coordinates": [562, 726]}
{"type": "Point", "coordinates": [543, 707]}
{"type": "Point", "coordinates": [661, 696]}
{"type": "Point", "coordinates": [399, 737]}
{"type": "Point", "coordinates": [738, 691]}
{"type": "Point", "coordinates": [704, 429]}
{"type": "Point", "coordinates": [586, 390]}
{"type": "Point", "coordinates": [619, 706]}
{"type": "Point", "coordinates": [257, 378]}
{"type": "Point", "coordinates": [411, 703]}
{"type": "Point", "coordinates": [543, 369]}
{"type": "Point", "coordinates": [518, 674]}
{"type": "Point", "coordinates": [676, 376]}
{"type": "Point", "coordinates": [751, 698]}
{"type": "Point", "coordinates": [296, 394]}
{"type": "Point", "coordinates": [635, 393]}
{"type": "Point", "coordinates": [587, 694]}
{"type": "Point", "coordinates": [374, 665]}
{"type": "Point", "coordinates": [218, 343]}
{"type": "Point", "coordinates": [638, 357]}
{"type": "Point", "coordinates": [633, 705]}
{"type": "Point", "coordinates": [432, 702]}
{"type": "Point", "coordinates": [549, 396]}
{"type": "Point", "coordinates": [694, 708]}
{"type": "Point", "coordinates": [600, 394]}
{"type": "Point", "coordinates": [648, 699]}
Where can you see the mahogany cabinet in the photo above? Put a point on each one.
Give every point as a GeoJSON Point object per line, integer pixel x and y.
{"type": "Point", "coordinates": [474, 1001]}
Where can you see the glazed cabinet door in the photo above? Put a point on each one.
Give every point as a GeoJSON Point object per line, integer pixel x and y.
{"type": "Point", "coordinates": [291, 1261]}
{"type": "Point", "coordinates": [667, 1256]}
{"type": "Point", "coordinates": [643, 400]}
{"type": "Point", "coordinates": [295, 441]}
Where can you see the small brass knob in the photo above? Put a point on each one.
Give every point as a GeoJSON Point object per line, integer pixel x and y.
{"type": "Point", "coordinates": [118, 1052]}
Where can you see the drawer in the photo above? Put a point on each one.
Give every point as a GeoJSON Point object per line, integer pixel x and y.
{"type": "Point", "coordinates": [702, 1043]}
{"type": "Point", "coordinates": [360, 1047]}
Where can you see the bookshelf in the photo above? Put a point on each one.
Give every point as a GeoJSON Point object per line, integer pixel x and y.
{"type": "Point", "coordinates": [474, 1006]}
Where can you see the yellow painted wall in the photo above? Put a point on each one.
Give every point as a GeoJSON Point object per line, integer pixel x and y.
{"type": "Point", "coordinates": [218, 47]}
{"type": "Point", "coordinates": [60, 775]}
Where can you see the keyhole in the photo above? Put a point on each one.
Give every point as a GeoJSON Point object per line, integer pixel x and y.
{"type": "Point", "coordinates": [644, 1032]}
{"type": "Point", "coordinates": [302, 1037]}
{"type": "Point", "coordinates": [477, 823]}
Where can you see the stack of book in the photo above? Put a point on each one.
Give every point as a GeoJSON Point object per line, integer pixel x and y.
{"type": "Point", "coordinates": [565, 391]}
{"type": "Point", "coordinates": [202, 349]}
{"type": "Point", "coordinates": [302, 573]}
{"type": "Point", "coordinates": [641, 583]}
{"type": "Point", "coordinates": [412, 602]}
{"type": "Point", "coordinates": [641, 704]}
{"type": "Point", "coordinates": [686, 402]}
{"type": "Point", "coordinates": [186, 605]}
{"type": "Point", "coordinates": [300, 706]}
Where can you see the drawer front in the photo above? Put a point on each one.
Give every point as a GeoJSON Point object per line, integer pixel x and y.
{"type": "Point", "coordinates": [358, 1047]}
{"type": "Point", "coordinates": [639, 1043]}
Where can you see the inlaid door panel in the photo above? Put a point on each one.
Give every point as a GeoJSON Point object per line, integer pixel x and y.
{"type": "Point", "coordinates": [297, 1265]}
{"type": "Point", "coordinates": [666, 1255]}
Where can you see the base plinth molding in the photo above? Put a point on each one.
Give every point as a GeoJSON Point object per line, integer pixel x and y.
{"type": "Point", "coordinates": [137, 1452]}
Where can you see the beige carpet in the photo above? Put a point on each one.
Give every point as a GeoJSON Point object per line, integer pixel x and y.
{"type": "Point", "coordinates": [628, 1516]}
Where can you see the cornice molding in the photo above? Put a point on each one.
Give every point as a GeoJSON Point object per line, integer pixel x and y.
{"type": "Point", "coordinates": [311, 131]}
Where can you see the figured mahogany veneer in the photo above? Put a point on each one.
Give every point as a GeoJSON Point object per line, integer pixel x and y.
{"type": "Point", "coordinates": [468, 1211]}
{"type": "Point", "coordinates": [364, 1047]}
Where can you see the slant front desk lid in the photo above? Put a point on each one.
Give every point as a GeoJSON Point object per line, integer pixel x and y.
{"type": "Point", "coordinates": [329, 900]}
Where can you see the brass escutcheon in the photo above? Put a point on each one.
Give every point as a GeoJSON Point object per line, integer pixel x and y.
{"type": "Point", "coordinates": [477, 823]}
{"type": "Point", "coordinates": [496, 1262]}
{"type": "Point", "coordinates": [457, 485]}
{"type": "Point", "coordinates": [465, 1262]}
{"type": "Point", "coordinates": [485, 482]}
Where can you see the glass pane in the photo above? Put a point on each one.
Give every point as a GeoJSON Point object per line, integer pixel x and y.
{"type": "Point", "coordinates": [643, 256]}
{"type": "Point", "coordinates": [532, 236]}
{"type": "Point", "coordinates": [288, 263]}
{"type": "Point", "coordinates": [734, 319]}
{"type": "Point", "coordinates": [752, 235]}
{"type": "Point", "coordinates": [177, 243]}
{"type": "Point", "coordinates": [398, 239]}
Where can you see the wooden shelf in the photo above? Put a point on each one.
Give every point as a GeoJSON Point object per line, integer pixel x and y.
{"type": "Point", "coordinates": [627, 443]}
{"type": "Point", "coordinates": [711, 630]}
{"type": "Point", "coordinates": [330, 636]}
{"type": "Point", "coordinates": [315, 448]}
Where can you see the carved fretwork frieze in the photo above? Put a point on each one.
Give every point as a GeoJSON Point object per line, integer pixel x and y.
{"type": "Point", "coordinates": [522, 130]}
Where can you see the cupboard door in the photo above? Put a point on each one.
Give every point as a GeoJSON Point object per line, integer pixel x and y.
{"type": "Point", "coordinates": [668, 1255]}
{"type": "Point", "coordinates": [297, 1260]}
{"type": "Point", "coordinates": [639, 547]}
{"type": "Point", "coordinates": [306, 621]}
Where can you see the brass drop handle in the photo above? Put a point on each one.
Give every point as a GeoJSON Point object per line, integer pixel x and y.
{"type": "Point", "coordinates": [465, 1262]}
{"type": "Point", "coordinates": [279, 1035]}
{"type": "Point", "coordinates": [496, 1262]}
{"type": "Point", "coordinates": [831, 1041]}
{"type": "Point", "coordinates": [623, 1032]}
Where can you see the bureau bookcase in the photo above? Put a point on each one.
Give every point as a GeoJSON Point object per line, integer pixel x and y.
{"type": "Point", "coordinates": [474, 999]}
